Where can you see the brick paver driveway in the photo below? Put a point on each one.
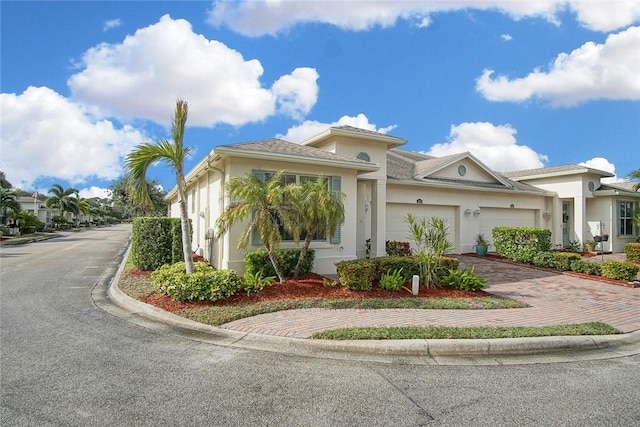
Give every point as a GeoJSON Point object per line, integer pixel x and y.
{"type": "Point", "coordinates": [554, 299]}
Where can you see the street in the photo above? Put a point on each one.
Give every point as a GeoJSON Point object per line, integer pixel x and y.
{"type": "Point", "coordinates": [69, 358]}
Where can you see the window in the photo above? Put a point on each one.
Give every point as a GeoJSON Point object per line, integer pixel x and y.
{"type": "Point", "coordinates": [333, 182]}
{"type": "Point", "coordinates": [625, 216]}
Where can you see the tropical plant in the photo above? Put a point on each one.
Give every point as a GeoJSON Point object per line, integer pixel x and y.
{"type": "Point", "coordinates": [481, 241]}
{"type": "Point", "coordinates": [255, 282]}
{"type": "Point", "coordinates": [465, 280]}
{"type": "Point", "coordinates": [392, 280]}
{"type": "Point", "coordinates": [263, 202]}
{"type": "Point", "coordinates": [312, 208]}
{"type": "Point", "coordinates": [127, 208]}
{"type": "Point", "coordinates": [173, 153]}
{"type": "Point", "coordinates": [8, 203]}
{"type": "Point", "coordinates": [431, 243]}
{"type": "Point", "coordinates": [63, 199]}
{"type": "Point", "coordinates": [636, 176]}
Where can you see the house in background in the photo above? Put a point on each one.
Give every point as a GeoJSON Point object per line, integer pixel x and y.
{"type": "Point", "coordinates": [588, 209]}
{"type": "Point", "coordinates": [37, 207]}
{"type": "Point", "coordinates": [383, 183]}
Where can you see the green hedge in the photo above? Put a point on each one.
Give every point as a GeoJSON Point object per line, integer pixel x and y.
{"type": "Point", "coordinates": [632, 251]}
{"type": "Point", "coordinates": [205, 283]}
{"type": "Point", "coordinates": [259, 261]}
{"type": "Point", "coordinates": [356, 275]}
{"type": "Point", "coordinates": [562, 260]}
{"type": "Point", "coordinates": [586, 267]}
{"type": "Point", "coordinates": [619, 270]}
{"type": "Point", "coordinates": [156, 241]}
{"type": "Point", "coordinates": [521, 244]}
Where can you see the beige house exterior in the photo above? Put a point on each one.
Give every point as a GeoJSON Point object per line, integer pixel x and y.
{"type": "Point", "coordinates": [383, 183]}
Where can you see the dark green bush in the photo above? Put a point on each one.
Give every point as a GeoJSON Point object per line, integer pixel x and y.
{"type": "Point", "coordinates": [392, 281]}
{"type": "Point", "coordinates": [395, 248]}
{"type": "Point", "coordinates": [619, 270]}
{"type": "Point", "coordinates": [410, 265]}
{"type": "Point", "coordinates": [521, 244]}
{"type": "Point", "coordinates": [155, 241]}
{"type": "Point", "coordinates": [259, 261]}
{"type": "Point", "coordinates": [205, 283]}
{"type": "Point", "coordinates": [544, 260]}
{"type": "Point", "coordinates": [356, 275]}
{"type": "Point", "coordinates": [632, 251]}
{"type": "Point", "coordinates": [562, 260]}
{"type": "Point", "coordinates": [586, 267]}
{"type": "Point", "coordinates": [464, 280]}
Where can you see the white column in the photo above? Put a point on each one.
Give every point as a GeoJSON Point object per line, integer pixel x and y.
{"type": "Point", "coordinates": [378, 218]}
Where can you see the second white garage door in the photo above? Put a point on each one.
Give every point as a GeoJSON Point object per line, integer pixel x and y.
{"type": "Point", "coordinates": [501, 217]}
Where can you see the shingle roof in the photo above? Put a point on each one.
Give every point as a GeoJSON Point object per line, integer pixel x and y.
{"type": "Point", "coordinates": [623, 186]}
{"type": "Point", "coordinates": [554, 170]}
{"type": "Point", "coordinates": [282, 147]}
{"type": "Point", "coordinates": [365, 131]}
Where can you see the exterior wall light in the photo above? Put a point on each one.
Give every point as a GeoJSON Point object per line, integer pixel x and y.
{"type": "Point", "coordinates": [476, 212]}
{"type": "Point", "coordinates": [546, 215]}
{"type": "Point", "coordinates": [419, 201]}
{"type": "Point", "coordinates": [467, 212]}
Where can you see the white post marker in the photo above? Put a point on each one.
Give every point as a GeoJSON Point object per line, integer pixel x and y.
{"type": "Point", "coordinates": [415, 283]}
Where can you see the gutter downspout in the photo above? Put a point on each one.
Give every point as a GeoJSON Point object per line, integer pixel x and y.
{"type": "Point", "coordinates": [221, 206]}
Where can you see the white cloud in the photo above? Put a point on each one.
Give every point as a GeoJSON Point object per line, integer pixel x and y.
{"type": "Point", "coordinates": [111, 23]}
{"type": "Point", "coordinates": [311, 128]}
{"type": "Point", "coordinates": [93, 191]}
{"type": "Point", "coordinates": [506, 37]}
{"type": "Point", "coordinates": [593, 71]}
{"type": "Point", "coordinates": [260, 17]}
{"type": "Point", "coordinates": [144, 75]}
{"type": "Point", "coordinates": [495, 146]}
{"type": "Point", "coordinates": [600, 163]}
{"type": "Point", "coordinates": [45, 135]}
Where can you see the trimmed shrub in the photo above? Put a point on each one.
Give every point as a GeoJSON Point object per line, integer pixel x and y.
{"type": "Point", "coordinates": [258, 261]}
{"type": "Point", "coordinates": [586, 267]}
{"type": "Point", "coordinates": [410, 265]}
{"type": "Point", "coordinates": [619, 270]}
{"type": "Point", "coordinates": [205, 283]}
{"type": "Point", "coordinates": [395, 248]}
{"type": "Point", "coordinates": [632, 251]}
{"type": "Point", "coordinates": [155, 241]}
{"type": "Point", "coordinates": [356, 275]}
{"type": "Point", "coordinates": [464, 280]}
{"type": "Point", "coordinates": [562, 260]}
{"type": "Point", "coordinates": [544, 260]}
{"type": "Point", "coordinates": [521, 244]}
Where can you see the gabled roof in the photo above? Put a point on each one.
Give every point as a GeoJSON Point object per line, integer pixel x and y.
{"type": "Point", "coordinates": [554, 171]}
{"type": "Point", "coordinates": [618, 188]}
{"type": "Point", "coordinates": [278, 149]}
{"type": "Point", "coordinates": [410, 166]}
{"type": "Point", "coordinates": [354, 132]}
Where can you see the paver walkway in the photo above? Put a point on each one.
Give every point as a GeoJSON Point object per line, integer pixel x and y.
{"type": "Point", "coordinates": [554, 299]}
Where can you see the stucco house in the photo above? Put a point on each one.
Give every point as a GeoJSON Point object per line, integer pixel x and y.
{"type": "Point", "coordinates": [383, 183]}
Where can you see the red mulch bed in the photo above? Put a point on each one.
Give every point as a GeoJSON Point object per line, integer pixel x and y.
{"type": "Point", "coordinates": [306, 287]}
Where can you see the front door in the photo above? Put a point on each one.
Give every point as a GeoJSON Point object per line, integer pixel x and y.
{"type": "Point", "coordinates": [566, 228]}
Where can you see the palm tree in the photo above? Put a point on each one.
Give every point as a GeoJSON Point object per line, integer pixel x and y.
{"type": "Point", "coordinates": [263, 201]}
{"type": "Point", "coordinates": [63, 199]}
{"type": "Point", "coordinates": [635, 175]}
{"type": "Point", "coordinates": [172, 153]}
{"type": "Point", "coordinates": [8, 202]}
{"type": "Point", "coordinates": [313, 209]}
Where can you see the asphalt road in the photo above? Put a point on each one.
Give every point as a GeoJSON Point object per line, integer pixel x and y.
{"type": "Point", "coordinates": [69, 357]}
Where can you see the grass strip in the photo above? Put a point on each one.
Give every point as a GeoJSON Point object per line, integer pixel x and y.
{"type": "Point", "coordinates": [474, 332]}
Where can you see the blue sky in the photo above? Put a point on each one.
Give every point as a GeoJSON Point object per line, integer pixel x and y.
{"type": "Point", "coordinates": [518, 84]}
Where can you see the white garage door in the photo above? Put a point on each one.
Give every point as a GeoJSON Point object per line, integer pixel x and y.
{"type": "Point", "coordinates": [501, 217]}
{"type": "Point", "coordinates": [398, 229]}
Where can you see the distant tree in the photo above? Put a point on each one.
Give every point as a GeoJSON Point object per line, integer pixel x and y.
{"type": "Point", "coordinates": [8, 203]}
{"type": "Point", "coordinates": [172, 153]}
{"type": "Point", "coordinates": [635, 175]}
{"type": "Point", "coordinates": [128, 208]}
{"type": "Point", "coordinates": [3, 181]}
{"type": "Point", "coordinates": [65, 200]}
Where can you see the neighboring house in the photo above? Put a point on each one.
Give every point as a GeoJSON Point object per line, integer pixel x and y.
{"type": "Point", "coordinates": [37, 207]}
{"type": "Point", "coordinates": [382, 184]}
{"type": "Point", "coordinates": [588, 208]}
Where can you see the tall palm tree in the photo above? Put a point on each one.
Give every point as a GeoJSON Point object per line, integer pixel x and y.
{"type": "Point", "coordinates": [636, 176]}
{"type": "Point", "coordinates": [263, 201]}
{"type": "Point", "coordinates": [313, 209]}
{"type": "Point", "coordinates": [8, 202]}
{"type": "Point", "coordinates": [63, 199]}
{"type": "Point", "coordinates": [173, 154]}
